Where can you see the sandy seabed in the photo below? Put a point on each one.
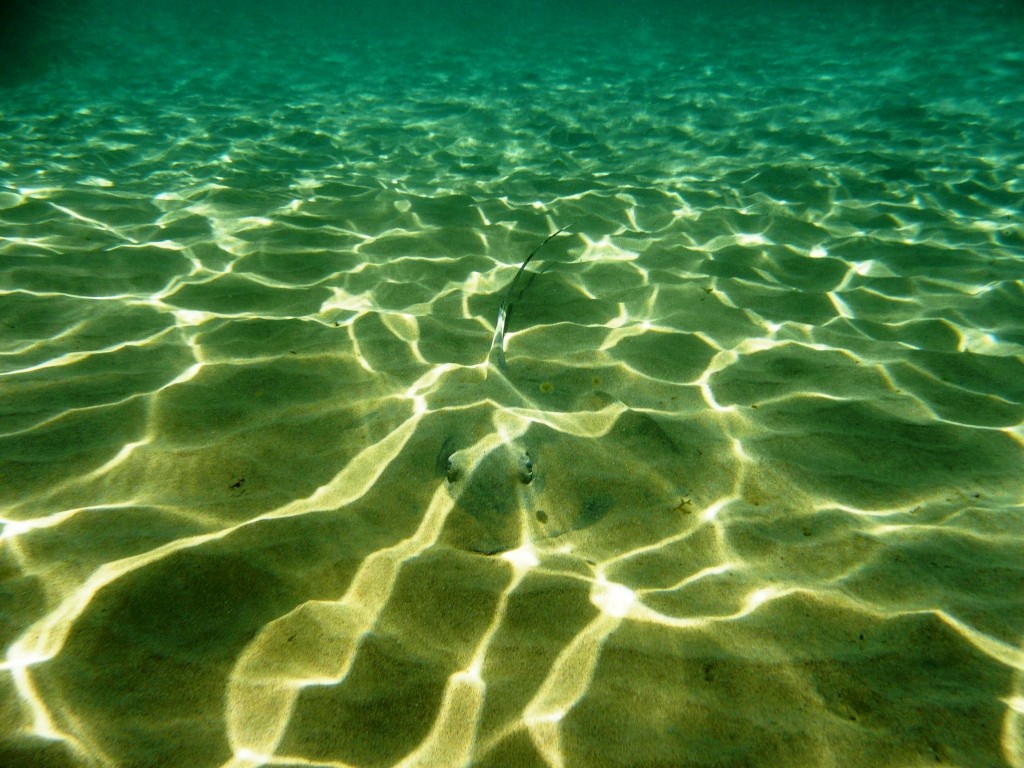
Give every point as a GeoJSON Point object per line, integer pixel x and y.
{"type": "Point", "coordinates": [746, 491]}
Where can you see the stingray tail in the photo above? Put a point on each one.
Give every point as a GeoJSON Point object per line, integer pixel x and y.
{"type": "Point", "coordinates": [496, 354]}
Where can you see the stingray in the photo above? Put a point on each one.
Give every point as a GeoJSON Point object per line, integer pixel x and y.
{"type": "Point", "coordinates": [519, 470]}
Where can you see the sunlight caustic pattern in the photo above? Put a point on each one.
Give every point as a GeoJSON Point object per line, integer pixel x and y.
{"type": "Point", "coordinates": [474, 564]}
{"type": "Point", "coordinates": [746, 491]}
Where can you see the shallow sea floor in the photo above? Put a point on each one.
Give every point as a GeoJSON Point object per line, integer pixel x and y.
{"type": "Point", "coordinates": [746, 492]}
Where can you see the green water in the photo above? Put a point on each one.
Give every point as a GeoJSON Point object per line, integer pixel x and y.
{"type": "Point", "coordinates": [745, 492]}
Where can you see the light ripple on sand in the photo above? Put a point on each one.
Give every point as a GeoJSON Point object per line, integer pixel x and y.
{"type": "Point", "coordinates": [261, 502]}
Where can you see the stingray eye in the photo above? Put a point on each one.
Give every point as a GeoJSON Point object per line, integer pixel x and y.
{"type": "Point", "coordinates": [452, 470]}
{"type": "Point", "coordinates": [525, 469]}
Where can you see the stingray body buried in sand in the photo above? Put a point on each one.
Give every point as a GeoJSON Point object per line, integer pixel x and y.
{"type": "Point", "coordinates": [519, 481]}
{"type": "Point", "coordinates": [481, 482]}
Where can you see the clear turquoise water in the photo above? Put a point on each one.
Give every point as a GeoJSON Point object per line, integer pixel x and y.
{"type": "Point", "coordinates": [746, 490]}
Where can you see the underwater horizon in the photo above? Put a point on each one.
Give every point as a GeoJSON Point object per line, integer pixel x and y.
{"type": "Point", "coordinates": [301, 465]}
